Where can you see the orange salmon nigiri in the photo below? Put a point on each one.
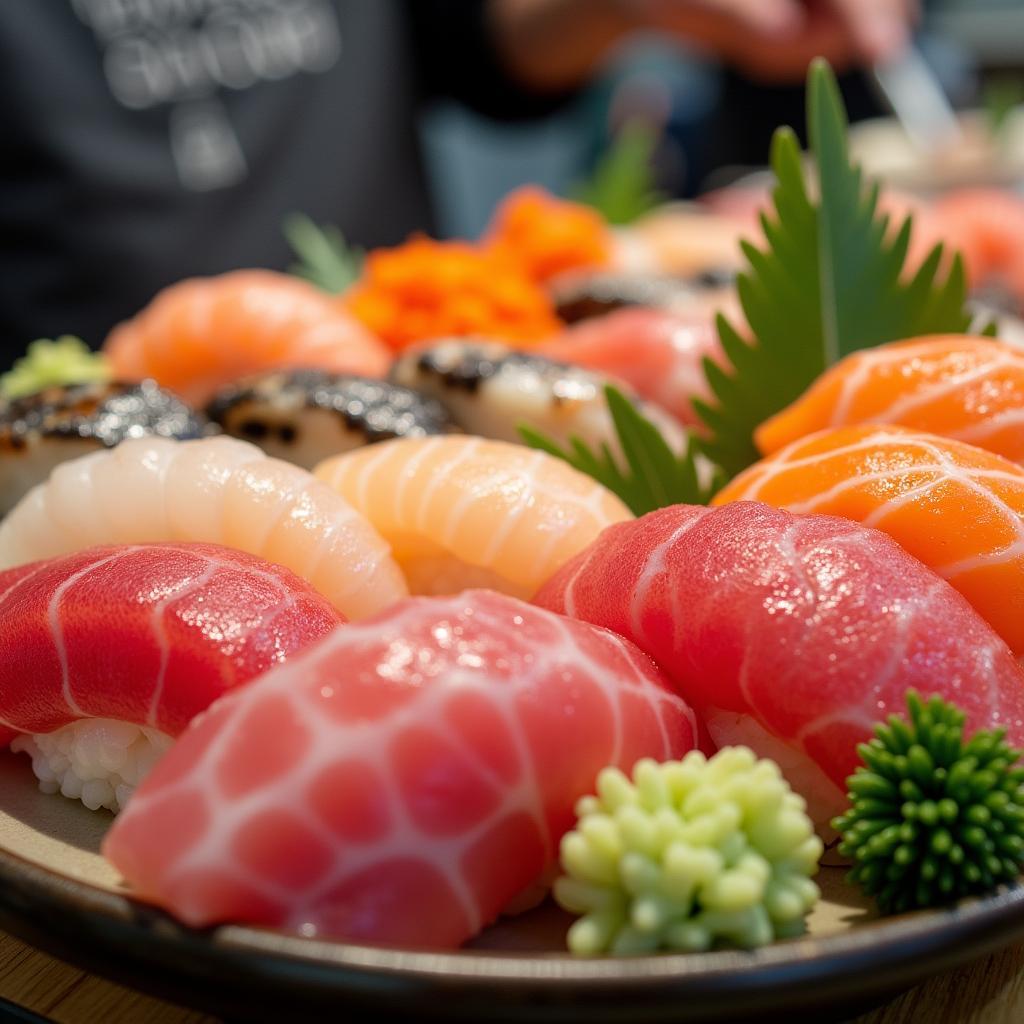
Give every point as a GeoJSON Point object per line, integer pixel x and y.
{"type": "Point", "coordinates": [970, 389]}
{"type": "Point", "coordinates": [199, 334]}
{"type": "Point", "coordinates": [957, 508]}
{"type": "Point", "coordinates": [462, 511]}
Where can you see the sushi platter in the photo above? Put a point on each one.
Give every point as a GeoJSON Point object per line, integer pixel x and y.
{"type": "Point", "coordinates": [58, 893]}
{"type": "Point", "coordinates": [581, 623]}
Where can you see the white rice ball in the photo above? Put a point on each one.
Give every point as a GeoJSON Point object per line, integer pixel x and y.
{"type": "Point", "coordinates": [96, 760]}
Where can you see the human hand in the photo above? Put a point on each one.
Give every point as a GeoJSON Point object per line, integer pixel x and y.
{"type": "Point", "coordinates": [775, 40]}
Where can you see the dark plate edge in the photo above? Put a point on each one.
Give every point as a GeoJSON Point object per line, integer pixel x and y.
{"type": "Point", "coordinates": [231, 967]}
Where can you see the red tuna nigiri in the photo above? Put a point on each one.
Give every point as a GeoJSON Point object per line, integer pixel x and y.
{"type": "Point", "coordinates": [403, 780]}
{"type": "Point", "coordinates": [792, 634]}
{"type": "Point", "coordinates": [147, 634]}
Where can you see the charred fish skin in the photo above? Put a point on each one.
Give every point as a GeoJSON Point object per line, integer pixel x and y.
{"type": "Point", "coordinates": [107, 413]}
{"type": "Point", "coordinates": [305, 416]}
{"type": "Point", "coordinates": [467, 365]}
{"type": "Point", "coordinates": [492, 390]}
{"type": "Point", "coordinates": [580, 297]}
{"type": "Point", "coordinates": [39, 431]}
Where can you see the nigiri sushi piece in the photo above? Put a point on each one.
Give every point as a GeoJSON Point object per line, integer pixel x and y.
{"type": "Point", "coordinates": [111, 652]}
{"type": "Point", "coordinates": [200, 334]}
{"type": "Point", "coordinates": [680, 239]}
{"type": "Point", "coordinates": [44, 429]}
{"type": "Point", "coordinates": [580, 296]}
{"type": "Point", "coordinates": [966, 388]}
{"type": "Point", "coordinates": [658, 353]}
{"type": "Point", "coordinates": [986, 226]}
{"type": "Point", "coordinates": [306, 416]}
{"type": "Point", "coordinates": [402, 782]}
{"type": "Point", "coordinates": [217, 490]}
{"type": "Point", "coordinates": [957, 508]}
{"type": "Point", "coordinates": [492, 390]}
{"type": "Point", "coordinates": [463, 511]}
{"type": "Point", "coordinates": [791, 634]}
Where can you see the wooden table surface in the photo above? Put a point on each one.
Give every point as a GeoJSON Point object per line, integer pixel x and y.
{"type": "Point", "coordinates": [990, 991]}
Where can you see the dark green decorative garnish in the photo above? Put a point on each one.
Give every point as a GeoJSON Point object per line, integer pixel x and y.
{"type": "Point", "coordinates": [653, 476]}
{"type": "Point", "coordinates": [831, 279]}
{"type": "Point", "coordinates": [325, 258]}
{"type": "Point", "coordinates": [828, 279]}
{"type": "Point", "coordinates": [933, 817]}
{"type": "Point", "coordinates": [999, 99]}
{"type": "Point", "coordinates": [622, 186]}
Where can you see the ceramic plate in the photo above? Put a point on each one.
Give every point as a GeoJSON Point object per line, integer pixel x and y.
{"type": "Point", "coordinates": [58, 893]}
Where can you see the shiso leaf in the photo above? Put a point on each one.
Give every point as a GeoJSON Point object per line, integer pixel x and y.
{"type": "Point", "coordinates": [325, 258]}
{"type": "Point", "coordinates": [933, 816]}
{"type": "Point", "coordinates": [828, 280]}
{"type": "Point", "coordinates": [653, 475]}
{"type": "Point", "coordinates": [622, 186]}
{"type": "Point", "coordinates": [67, 360]}
{"type": "Point", "coordinates": [687, 855]}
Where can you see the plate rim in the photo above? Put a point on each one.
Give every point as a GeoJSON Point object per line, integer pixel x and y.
{"type": "Point", "coordinates": [46, 907]}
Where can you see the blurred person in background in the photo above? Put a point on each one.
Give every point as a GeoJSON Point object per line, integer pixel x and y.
{"type": "Point", "coordinates": [150, 140]}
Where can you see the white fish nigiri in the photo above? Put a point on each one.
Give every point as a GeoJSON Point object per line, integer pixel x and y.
{"type": "Point", "coordinates": [217, 490]}
{"type": "Point", "coordinates": [491, 390]}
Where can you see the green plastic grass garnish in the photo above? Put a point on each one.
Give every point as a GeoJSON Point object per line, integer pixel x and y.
{"type": "Point", "coordinates": [688, 855]}
{"type": "Point", "coordinates": [653, 475]}
{"type": "Point", "coordinates": [829, 280]}
{"type": "Point", "coordinates": [621, 187]}
{"type": "Point", "coordinates": [933, 817]}
{"type": "Point", "coordinates": [68, 360]}
{"type": "Point", "coordinates": [325, 258]}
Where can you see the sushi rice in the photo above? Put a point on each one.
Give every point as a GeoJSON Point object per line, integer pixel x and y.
{"type": "Point", "coordinates": [96, 760]}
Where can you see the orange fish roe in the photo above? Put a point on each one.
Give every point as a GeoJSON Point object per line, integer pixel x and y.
{"type": "Point", "coordinates": [547, 235]}
{"type": "Point", "coordinates": [426, 289]}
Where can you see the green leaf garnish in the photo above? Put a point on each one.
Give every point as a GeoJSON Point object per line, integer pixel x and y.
{"type": "Point", "coordinates": [326, 259]}
{"type": "Point", "coordinates": [828, 281]}
{"type": "Point", "coordinates": [68, 360]}
{"type": "Point", "coordinates": [999, 99]}
{"type": "Point", "coordinates": [933, 817]}
{"type": "Point", "coordinates": [653, 475]}
{"type": "Point", "coordinates": [622, 186]}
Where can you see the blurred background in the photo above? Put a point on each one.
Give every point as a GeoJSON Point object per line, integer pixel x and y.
{"type": "Point", "coordinates": [711, 125]}
{"type": "Point", "coordinates": [148, 141]}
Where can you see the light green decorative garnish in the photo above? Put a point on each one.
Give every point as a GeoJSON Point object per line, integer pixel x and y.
{"type": "Point", "coordinates": [689, 855]}
{"type": "Point", "coordinates": [622, 186]}
{"type": "Point", "coordinates": [829, 280]}
{"type": "Point", "coordinates": [653, 476]}
{"type": "Point", "coordinates": [933, 818]}
{"type": "Point", "coordinates": [325, 258]}
{"type": "Point", "coordinates": [68, 360]}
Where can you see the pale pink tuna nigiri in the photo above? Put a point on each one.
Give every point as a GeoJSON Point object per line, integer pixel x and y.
{"type": "Point", "coordinates": [403, 781]}
{"type": "Point", "coordinates": [793, 634]}
{"type": "Point", "coordinates": [145, 635]}
{"type": "Point", "coordinates": [657, 352]}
